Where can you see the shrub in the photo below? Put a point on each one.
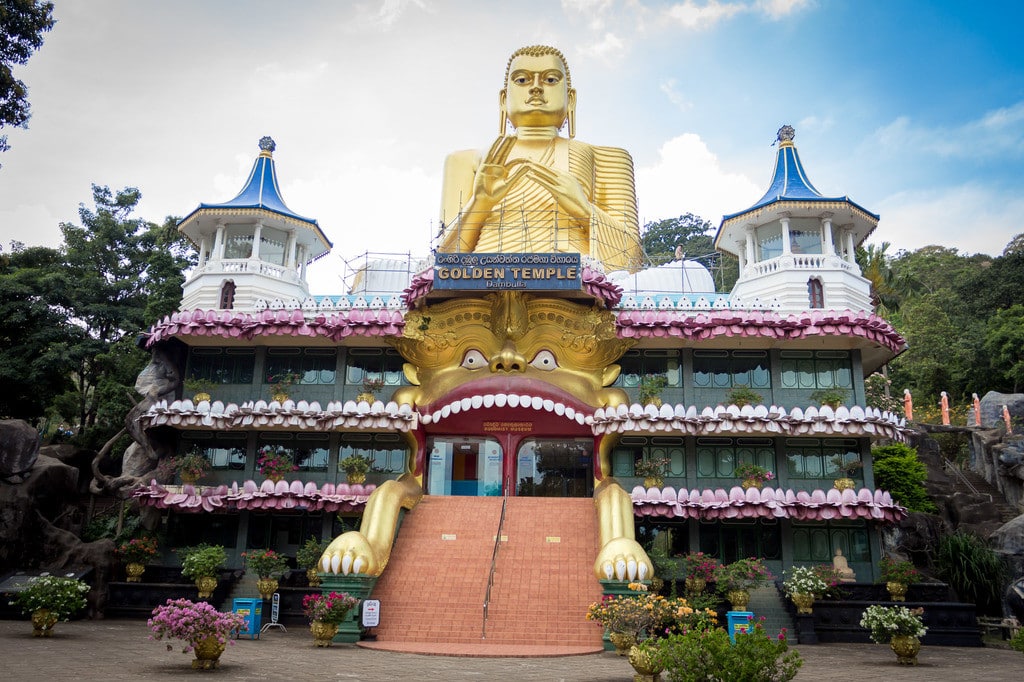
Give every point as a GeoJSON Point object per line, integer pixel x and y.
{"type": "Point", "coordinates": [708, 655]}
{"type": "Point", "coordinates": [898, 470]}
{"type": "Point", "coordinates": [192, 623]}
{"type": "Point", "coordinates": [202, 561]}
{"type": "Point", "coordinates": [309, 554]}
{"type": "Point", "coordinates": [885, 622]}
{"type": "Point", "coordinates": [265, 562]}
{"type": "Point", "coordinates": [328, 608]}
{"type": "Point", "coordinates": [61, 596]}
{"type": "Point", "coordinates": [804, 580]}
{"type": "Point", "coordinates": [743, 574]}
{"type": "Point", "coordinates": [700, 565]}
{"type": "Point", "coordinates": [893, 571]}
{"type": "Point", "coordinates": [1018, 641]}
{"type": "Point", "coordinates": [972, 569]}
{"type": "Point", "coordinates": [137, 550]}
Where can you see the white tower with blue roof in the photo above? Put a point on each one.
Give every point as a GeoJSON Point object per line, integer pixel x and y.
{"type": "Point", "coordinates": [795, 246]}
{"type": "Point", "coordinates": [252, 247]}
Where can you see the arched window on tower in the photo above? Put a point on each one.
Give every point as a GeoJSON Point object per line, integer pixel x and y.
{"type": "Point", "coordinates": [816, 293]}
{"type": "Point", "coordinates": [227, 295]}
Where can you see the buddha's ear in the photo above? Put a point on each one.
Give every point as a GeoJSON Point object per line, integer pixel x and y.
{"type": "Point", "coordinates": [502, 113]}
{"type": "Point", "coordinates": [570, 113]}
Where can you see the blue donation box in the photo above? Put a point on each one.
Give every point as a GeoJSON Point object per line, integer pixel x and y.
{"type": "Point", "coordinates": [252, 611]}
{"type": "Point", "coordinates": [740, 622]}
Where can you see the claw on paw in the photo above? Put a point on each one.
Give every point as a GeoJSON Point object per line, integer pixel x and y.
{"type": "Point", "coordinates": [348, 554]}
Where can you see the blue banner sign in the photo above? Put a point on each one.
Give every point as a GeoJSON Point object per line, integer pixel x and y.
{"type": "Point", "coordinates": [497, 271]}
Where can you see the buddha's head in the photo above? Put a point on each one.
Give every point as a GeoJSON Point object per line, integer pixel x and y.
{"type": "Point", "coordinates": [538, 90]}
{"type": "Point", "coordinates": [511, 342]}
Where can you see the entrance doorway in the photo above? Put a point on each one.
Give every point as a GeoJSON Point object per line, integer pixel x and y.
{"type": "Point", "coordinates": [485, 465]}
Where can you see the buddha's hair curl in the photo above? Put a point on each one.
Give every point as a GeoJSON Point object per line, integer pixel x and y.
{"type": "Point", "coordinates": [538, 51]}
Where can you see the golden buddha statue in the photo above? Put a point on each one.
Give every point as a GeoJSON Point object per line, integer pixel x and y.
{"type": "Point", "coordinates": [536, 191]}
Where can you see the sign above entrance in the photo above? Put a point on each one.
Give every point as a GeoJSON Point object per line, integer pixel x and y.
{"type": "Point", "coordinates": [496, 271]}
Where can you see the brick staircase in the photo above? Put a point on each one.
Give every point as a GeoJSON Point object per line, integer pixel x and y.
{"type": "Point", "coordinates": [432, 592]}
{"type": "Point", "coordinates": [1005, 511]}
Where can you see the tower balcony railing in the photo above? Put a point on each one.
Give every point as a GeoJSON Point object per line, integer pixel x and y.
{"type": "Point", "coordinates": [233, 266]}
{"type": "Point", "coordinates": [798, 261]}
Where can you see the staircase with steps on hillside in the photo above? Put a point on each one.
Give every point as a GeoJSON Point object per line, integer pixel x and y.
{"type": "Point", "coordinates": [433, 591]}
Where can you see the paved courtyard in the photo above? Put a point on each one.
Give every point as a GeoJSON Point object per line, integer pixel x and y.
{"type": "Point", "coordinates": [119, 650]}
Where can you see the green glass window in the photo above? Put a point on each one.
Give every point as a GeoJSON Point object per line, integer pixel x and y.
{"type": "Point", "coordinates": [637, 364]}
{"type": "Point", "coordinates": [817, 369]}
{"type": "Point", "coordinates": [315, 366]}
{"type": "Point", "coordinates": [812, 458]}
{"type": "Point", "coordinates": [732, 540]}
{"type": "Point", "coordinates": [730, 369]}
{"type": "Point", "coordinates": [309, 451]}
{"type": "Point", "coordinates": [388, 451]}
{"type": "Point", "coordinates": [633, 449]}
{"type": "Point", "coordinates": [223, 450]}
{"type": "Point", "coordinates": [222, 365]}
{"type": "Point", "coordinates": [719, 457]}
{"type": "Point", "coordinates": [818, 542]}
{"type": "Point", "coordinates": [373, 363]}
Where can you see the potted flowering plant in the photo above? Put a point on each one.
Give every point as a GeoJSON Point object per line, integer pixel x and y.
{"type": "Point", "coordinates": [845, 468]}
{"type": "Point", "coordinates": [281, 383]}
{"type": "Point", "coordinates": [897, 575]}
{"type": "Point", "coordinates": [191, 466]}
{"type": "Point", "coordinates": [370, 387]}
{"type": "Point", "coordinates": [202, 563]}
{"type": "Point", "coordinates": [355, 467]}
{"type": "Point", "coordinates": [265, 563]}
{"type": "Point", "coordinates": [650, 388]}
{"type": "Point", "coordinates": [752, 476]}
{"type": "Point", "coordinates": [199, 388]}
{"type": "Point", "coordinates": [803, 585]}
{"type": "Point", "coordinates": [49, 598]}
{"type": "Point", "coordinates": [652, 470]}
{"type": "Point", "coordinates": [632, 618]}
{"type": "Point", "coordinates": [274, 462]}
{"type": "Point", "coordinates": [699, 568]}
{"type": "Point", "coordinates": [901, 627]}
{"type": "Point", "coordinates": [742, 396]}
{"type": "Point", "coordinates": [201, 627]}
{"type": "Point", "coordinates": [325, 613]}
{"type": "Point", "coordinates": [308, 557]}
{"type": "Point", "coordinates": [735, 580]}
{"type": "Point", "coordinates": [136, 553]}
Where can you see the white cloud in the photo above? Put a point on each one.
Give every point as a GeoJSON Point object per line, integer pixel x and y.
{"type": "Point", "coordinates": [689, 178]}
{"type": "Point", "coordinates": [31, 224]}
{"type": "Point", "coordinates": [695, 15]}
{"type": "Point", "coordinates": [608, 48]}
{"type": "Point", "coordinates": [677, 98]}
{"type": "Point", "coordinates": [971, 218]}
{"type": "Point", "coordinates": [997, 133]}
{"type": "Point", "coordinates": [389, 12]}
{"type": "Point", "coordinates": [595, 11]}
{"type": "Point", "coordinates": [777, 9]}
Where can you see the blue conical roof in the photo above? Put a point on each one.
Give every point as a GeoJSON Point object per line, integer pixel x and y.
{"type": "Point", "coordinates": [789, 180]}
{"type": "Point", "coordinates": [261, 189]}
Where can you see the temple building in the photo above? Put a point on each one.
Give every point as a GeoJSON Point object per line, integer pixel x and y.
{"type": "Point", "coordinates": [505, 400]}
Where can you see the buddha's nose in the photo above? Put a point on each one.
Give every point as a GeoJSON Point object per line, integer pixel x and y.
{"type": "Point", "coordinates": [508, 360]}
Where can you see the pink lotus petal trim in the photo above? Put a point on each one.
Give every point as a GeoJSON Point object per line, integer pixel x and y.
{"type": "Point", "coordinates": [251, 495]}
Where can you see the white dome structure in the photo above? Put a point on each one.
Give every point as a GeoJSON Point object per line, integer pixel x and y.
{"type": "Point", "coordinates": [675, 277]}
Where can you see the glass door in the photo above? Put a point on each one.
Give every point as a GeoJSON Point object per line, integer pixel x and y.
{"type": "Point", "coordinates": [464, 465]}
{"type": "Point", "coordinates": [555, 467]}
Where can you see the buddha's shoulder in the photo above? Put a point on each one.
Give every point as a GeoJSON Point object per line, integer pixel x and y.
{"type": "Point", "coordinates": [602, 154]}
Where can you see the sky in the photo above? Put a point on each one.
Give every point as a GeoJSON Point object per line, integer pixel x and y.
{"type": "Point", "coordinates": [912, 108]}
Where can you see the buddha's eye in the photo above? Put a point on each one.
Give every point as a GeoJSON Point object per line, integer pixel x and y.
{"type": "Point", "coordinates": [544, 360]}
{"type": "Point", "coordinates": [473, 359]}
{"type": "Point", "coordinates": [552, 78]}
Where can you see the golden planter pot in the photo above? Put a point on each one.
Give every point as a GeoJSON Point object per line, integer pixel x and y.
{"type": "Point", "coordinates": [739, 599]}
{"type": "Point", "coordinates": [654, 482]}
{"type": "Point", "coordinates": [267, 587]}
{"type": "Point", "coordinates": [366, 398]}
{"type": "Point", "coordinates": [642, 660]}
{"type": "Point", "coordinates": [323, 633]}
{"type": "Point", "coordinates": [207, 652]}
{"type": "Point", "coordinates": [313, 576]}
{"type": "Point", "coordinates": [134, 571]}
{"type": "Point", "coordinates": [897, 591]}
{"type": "Point", "coordinates": [695, 584]}
{"type": "Point", "coordinates": [206, 585]}
{"type": "Point", "coordinates": [622, 641]}
{"type": "Point", "coordinates": [43, 621]}
{"type": "Point", "coordinates": [279, 397]}
{"type": "Point", "coordinates": [803, 602]}
{"type": "Point", "coordinates": [749, 483]}
{"type": "Point", "coordinates": [356, 478]}
{"type": "Point", "coordinates": [188, 478]}
{"type": "Point", "coordinates": [844, 484]}
{"type": "Point", "coordinates": [906, 648]}
{"type": "Point", "coordinates": [200, 397]}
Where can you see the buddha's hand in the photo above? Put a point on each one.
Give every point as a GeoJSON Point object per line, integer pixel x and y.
{"type": "Point", "coordinates": [350, 554]}
{"type": "Point", "coordinates": [623, 559]}
{"type": "Point", "coordinates": [565, 189]}
{"type": "Point", "coordinates": [494, 177]}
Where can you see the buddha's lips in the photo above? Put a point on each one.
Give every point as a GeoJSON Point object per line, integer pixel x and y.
{"type": "Point", "coordinates": [502, 392]}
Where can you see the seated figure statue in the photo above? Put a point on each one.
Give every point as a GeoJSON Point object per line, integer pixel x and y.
{"type": "Point", "coordinates": [536, 191]}
{"type": "Point", "coordinates": [842, 568]}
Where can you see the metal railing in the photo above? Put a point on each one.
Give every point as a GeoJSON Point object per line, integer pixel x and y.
{"type": "Point", "coordinates": [950, 466]}
{"type": "Point", "coordinates": [494, 558]}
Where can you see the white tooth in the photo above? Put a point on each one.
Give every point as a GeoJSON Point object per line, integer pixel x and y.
{"type": "Point", "coordinates": [513, 400]}
{"type": "Point", "coordinates": [426, 419]}
{"type": "Point", "coordinates": [581, 418]}
{"type": "Point", "coordinates": [500, 400]}
{"type": "Point", "coordinates": [325, 564]}
{"type": "Point", "coordinates": [357, 566]}
{"type": "Point", "coordinates": [446, 411]}
{"type": "Point", "coordinates": [570, 413]}
{"type": "Point", "coordinates": [549, 405]}
{"type": "Point", "coordinates": [559, 409]}
{"type": "Point", "coordinates": [537, 402]}
{"type": "Point", "coordinates": [335, 564]}
{"type": "Point", "coordinates": [631, 568]}
{"type": "Point", "coordinates": [436, 416]}
{"type": "Point", "coordinates": [620, 569]}
{"type": "Point", "coordinates": [609, 572]}
{"type": "Point", "coordinates": [466, 404]}
{"type": "Point", "coordinates": [346, 563]}
{"type": "Point", "coordinates": [642, 571]}
{"type": "Point", "coordinates": [456, 407]}
{"type": "Point", "coordinates": [488, 400]}
{"type": "Point", "coordinates": [477, 401]}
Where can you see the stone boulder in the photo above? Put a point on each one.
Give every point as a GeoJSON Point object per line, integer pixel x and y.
{"type": "Point", "coordinates": [992, 408]}
{"type": "Point", "coordinates": [19, 447]}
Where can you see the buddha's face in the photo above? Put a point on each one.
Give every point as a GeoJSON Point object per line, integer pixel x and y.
{"type": "Point", "coordinates": [536, 93]}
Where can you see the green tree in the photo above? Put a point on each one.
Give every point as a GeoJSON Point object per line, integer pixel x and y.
{"type": "Point", "coordinates": [22, 25]}
{"type": "Point", "coordinates": [693, 237]}
{"type": "Point", "coordinates": [1005, 344]}
{"type": "Point", "coordinates": [35, 334]}
{"type": "Point", "coordinates": [898, 470]}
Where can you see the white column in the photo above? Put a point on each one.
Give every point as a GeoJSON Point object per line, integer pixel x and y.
{"type": "Point", "coordinates": [290, 258]}
{"type": "Point", "coordinates": [786, 247]}
{"type": "Point", "coordinates": [851, 257]}
{"type": "Point", "coordinates": [255, 255]}
{"type": "Point", "coordinates": [750, 245]}
{"type": "Point", "coordinates": [743, 261]}
{"type": "Point", "coordinates": [301, 264]}
{"type": "Point", "coordinates": [203, 252]}
{"type": "Point", "coordinates": [218, 242]}
{"type": "Point", "coordinates": [826, 233]}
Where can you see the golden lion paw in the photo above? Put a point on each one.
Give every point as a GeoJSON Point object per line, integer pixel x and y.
{"type": "Point", "coordinates": [349, 554]}
{"type": "Point", "coordinates": [623, 559]}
